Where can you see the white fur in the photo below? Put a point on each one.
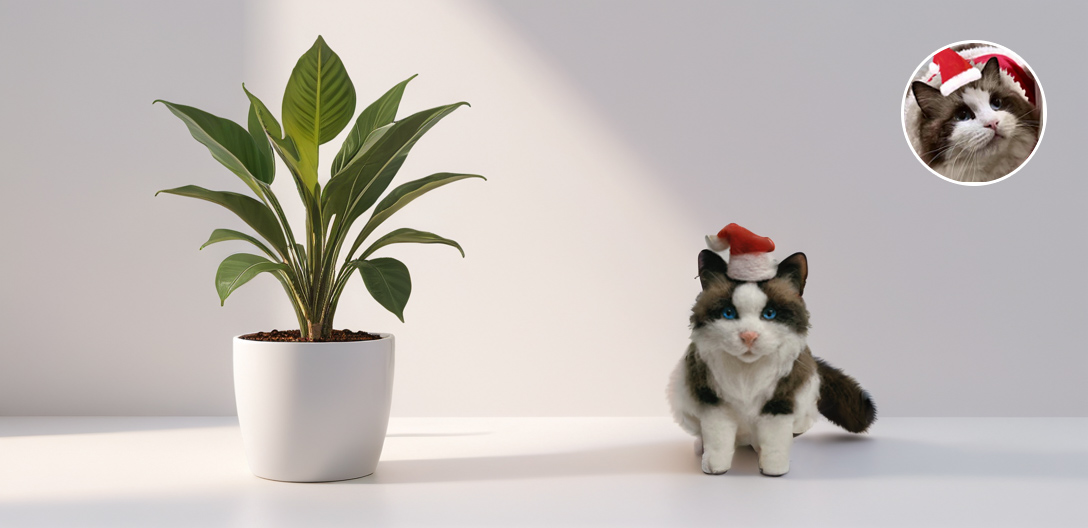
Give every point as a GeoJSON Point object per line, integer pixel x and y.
{"type": "Point", "coordinates": [752, 267]}
{"type": "Point", "coordinates": [980, 153]}
{"type": "Point", "coordinates": [744, 379]}
{"type": "Point", "coordinates": [774, 437]}
{"type": "Point", "coordinates": [718, 430]}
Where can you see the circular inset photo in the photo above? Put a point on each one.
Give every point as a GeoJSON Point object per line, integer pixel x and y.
{"type": "Point", "coordinates": [973, 112]}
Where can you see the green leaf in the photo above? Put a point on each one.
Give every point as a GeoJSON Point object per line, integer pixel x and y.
{"type": "Point", "coordinates": [251, 211]}
{"type": "Point", "coordinates": [388, 282]}
{"type": "Point", "coordinates": [238, 269]}
{"type": "Point", "coordinates": [264, 115]}
{"type": "Point", "coordinates": [302, 258]}
{"type": "Point", "coordinates": [378, 114]}
{"type": "Point", "coordinates": [256, 131]}
{"type": "Point", "coordinates": [284, 146]}
{"type": "Point", "coordinates": [351, 192]}
{"type": "Point", "coordinates": [404, 235]}
{"type": "Point", "coordinates": [402, 196]}
{"type": "Point", "coordinates": [288, 152]}
{"type": "Point", "coordinates": [317, 104]}
{"type": "Point", "coordinates": [223, 235]}
{"type": "Point", "coordinates": [228, 142]}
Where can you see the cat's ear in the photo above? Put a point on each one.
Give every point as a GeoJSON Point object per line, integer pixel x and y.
{"type": "Point", "coordinates": [711, 268]}
{"type": "Point", "coordinates": [795, 270]}
{"type": "Point", "coordinates": [929, 99]}
{"type": "Point", "coordinates": [991, 72]}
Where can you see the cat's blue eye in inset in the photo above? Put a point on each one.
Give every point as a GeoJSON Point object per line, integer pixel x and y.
{"type": "Point", "coordinates": [769, 313]}
{"type": "Point", "coordinates": [963, 114]}
{"type": "Point", "coordinates": [729, 313]}
{"type": "Point", "coordinates": [995, 102]}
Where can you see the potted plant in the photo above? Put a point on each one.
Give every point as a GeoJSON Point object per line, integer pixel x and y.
{"type": "Point", "coordinates": [313, 404]}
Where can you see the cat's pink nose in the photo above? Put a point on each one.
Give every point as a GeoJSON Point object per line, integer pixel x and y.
{"type": "Point", "coordinates": [992, 125]}
{"type": "Point", "coordinates": [748, 337]}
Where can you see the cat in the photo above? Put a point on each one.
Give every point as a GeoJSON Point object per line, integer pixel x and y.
{"type": "Point", "coordinates": [748, 376]}
{"type": "Point", "coordinates": [979, 133]}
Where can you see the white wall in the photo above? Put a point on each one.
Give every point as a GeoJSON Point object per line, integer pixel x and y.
{"type": "Point", "coordinates": [573, 295]}
{"type": "Point", "coordinates": [614, 135]}
{"type": "Point", "coordinates": [107, 307]}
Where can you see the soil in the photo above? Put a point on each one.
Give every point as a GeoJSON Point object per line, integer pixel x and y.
{"type": "Point", "coordinates": [294, 336]}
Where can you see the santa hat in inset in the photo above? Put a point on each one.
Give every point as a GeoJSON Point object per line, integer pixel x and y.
{"type": "Point", "coordinates": [956, 71]}
{"type": "Point", "coordinates": [1014, 70]}
{"type": "Point", "coordinates": [749, 254]}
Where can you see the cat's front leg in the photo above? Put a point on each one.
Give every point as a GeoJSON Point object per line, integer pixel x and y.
{"type": "Point", "coordinates": [774, 436]}
{"type": "Point", "coordinates": [719, 433]}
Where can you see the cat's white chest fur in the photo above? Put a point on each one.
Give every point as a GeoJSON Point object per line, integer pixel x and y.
{"type": "Point", "coordinates": [746, 387]}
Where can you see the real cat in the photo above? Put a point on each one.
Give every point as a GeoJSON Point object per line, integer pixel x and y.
{"type": "Point", "coordinates": [978, 133]}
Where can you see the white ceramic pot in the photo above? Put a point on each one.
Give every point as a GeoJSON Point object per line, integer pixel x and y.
{"type": "Point", "coordinates": [313, 412]}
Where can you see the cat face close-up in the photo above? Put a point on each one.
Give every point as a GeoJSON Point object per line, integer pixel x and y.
{"type": "Point", "coordinates": [978, 133]}
{"type": "Point", "coordinates": [750, 320]}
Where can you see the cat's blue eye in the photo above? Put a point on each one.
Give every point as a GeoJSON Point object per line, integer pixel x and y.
{"type": "Point", "coordinates": [729, 313]}
{"type": "Point", "coordinates": [996, 102]}
{"type": "Point", "coordinates": [769, 313]}
{"type": "Point", "coordinates": [963, 114]}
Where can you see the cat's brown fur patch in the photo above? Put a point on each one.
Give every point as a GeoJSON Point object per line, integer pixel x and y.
{"type": "Point", "coordinates": [698, 378]}
{"type": "Point", "coordinates": [717, 295]}
{"type": "Point", "coordinates": [781, 402]}
{"type": "Point", "coordinates": [783, 297]}
{"type": "Point", "coordinates": [795, 270]}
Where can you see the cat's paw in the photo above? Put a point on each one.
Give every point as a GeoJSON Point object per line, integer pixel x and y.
{"type": "Point", "coordinates": [698, 447]}
{"type": "Point", "coordinates": [774, 465]}
{"type": "Point", "coordinates": [715, 463]}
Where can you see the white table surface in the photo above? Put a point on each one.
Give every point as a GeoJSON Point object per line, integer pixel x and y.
{"type": "Point", "coordinates": [190, 471]}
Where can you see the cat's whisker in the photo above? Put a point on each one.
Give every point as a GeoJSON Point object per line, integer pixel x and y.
{"type": "Point", "coordinates": [936, 150]}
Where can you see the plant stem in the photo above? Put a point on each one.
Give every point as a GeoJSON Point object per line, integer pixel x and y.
{"type": "Point", "coordinates": [296, 263]}
{"type": "Point", "coordinates": [316, 332]}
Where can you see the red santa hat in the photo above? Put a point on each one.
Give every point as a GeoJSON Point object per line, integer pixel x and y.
{"type": "Point", "coordinates": [1014, 70]}
{"type": "Point", "coordinates": [956, 71]}
{"type": "Point", "coordinates": [749, 253]}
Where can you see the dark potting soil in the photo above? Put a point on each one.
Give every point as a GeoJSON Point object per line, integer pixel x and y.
{"type": "Point", "coordinates": [296, 336]}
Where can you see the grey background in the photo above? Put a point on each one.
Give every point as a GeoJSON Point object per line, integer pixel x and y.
{"type": "Point", "coordinates": [95, 318]}
{"type": "Point", "coordinates": [944, 300]}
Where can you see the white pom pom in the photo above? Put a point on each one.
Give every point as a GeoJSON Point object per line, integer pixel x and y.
{"type": "Point", "coordinates": [716, 244]}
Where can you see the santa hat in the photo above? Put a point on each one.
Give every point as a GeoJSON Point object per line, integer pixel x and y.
{"type": "Point", "coordinates": [749, 253]}
{"type": "Point", "coordinates": [956, 71]}
{"type": "Point", "coordinates": [1014, 70]}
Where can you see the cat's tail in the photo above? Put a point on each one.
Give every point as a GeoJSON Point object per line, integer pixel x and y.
{"type": "Point", "coordinates": [843, 401]}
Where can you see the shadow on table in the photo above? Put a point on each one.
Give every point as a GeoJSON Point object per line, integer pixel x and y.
{"type": "Point", "coordinates": [819, 456]}
{"type": "Point", "coordinates": [11, 426]}
{"type": "Point", "coordinates": [435, 435]}
{"type": "Point", "coordinates": [842, 455]}
{"type": "Point", "coordinates": [664, 457]}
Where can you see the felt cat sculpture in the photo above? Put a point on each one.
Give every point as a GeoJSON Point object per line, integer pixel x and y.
{"type": "Point", "coordinates": [748, 377]}
{"type": "Point", "coordinates": [977, 133]}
